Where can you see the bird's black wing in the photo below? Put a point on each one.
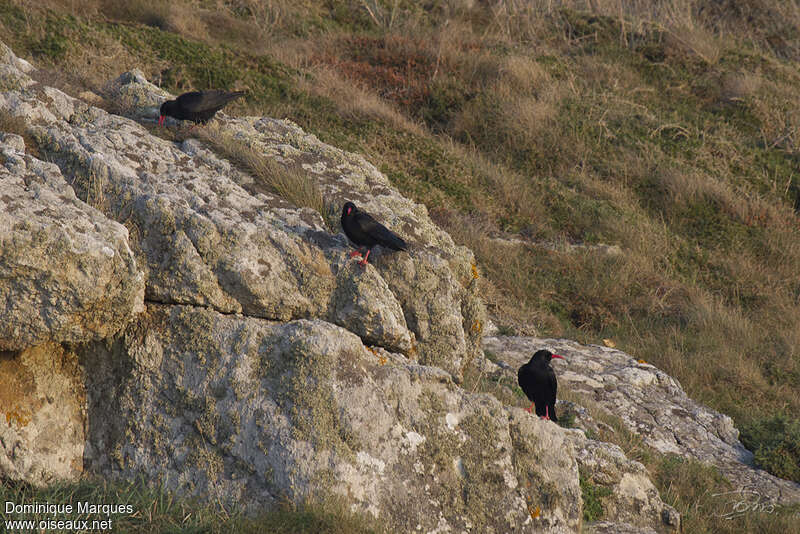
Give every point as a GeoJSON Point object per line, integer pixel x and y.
{"type": "Point", "coordinates": [523, 379]}
{"type": "Point", "coordinates": [378, 232]}
{"type": "Point", "coordinates": [552, 389]}
{"type": "Point", "coordinates": [552, 386]}
{"type": "Point", "coordinates": [200, 101]}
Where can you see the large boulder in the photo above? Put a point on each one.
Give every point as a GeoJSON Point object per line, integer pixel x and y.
{"type": "Point", "coordinates": [67, 273]}
{"type": "Point", "coordinates": [246, 410]}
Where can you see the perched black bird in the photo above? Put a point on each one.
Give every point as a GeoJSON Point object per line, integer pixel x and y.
{"type": "Point", "coordinates": [538, 381]}
{"type": "Point", "coordinates": [366, 232]}
{"type": "Point", "coordinates": [197, 106]}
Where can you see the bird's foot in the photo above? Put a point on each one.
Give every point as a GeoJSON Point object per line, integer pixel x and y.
{"type": "Point", "coordinates": [363, 262]}
{"type": "Point", "coordinates": [356, 253]}
{"type": "Point", "coordinates": [529, 409]}
{"type": "Point", "coordinates": [544, 417]}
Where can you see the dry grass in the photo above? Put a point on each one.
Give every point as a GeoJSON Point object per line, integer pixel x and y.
{"type": "Point", "coordinates": [292, 185]}
{"type": "Point", "coordinates": [355, 102]}
{"type": "Point", "coordinates": [18, 125]}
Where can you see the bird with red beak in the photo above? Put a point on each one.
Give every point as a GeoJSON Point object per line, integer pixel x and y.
{"type": "Point", "coordinates": [196, 106]}
{"type": "Point", "coordinates": [538, 380]}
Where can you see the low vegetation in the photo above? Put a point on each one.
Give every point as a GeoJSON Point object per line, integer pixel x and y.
{"type": "Point", "coordinates": [775, 441]}
{"type": "Point", "coordinates": [535, 132]}
{"type": "Point", "coordinates": [592, 496]}
{"type": "Point", "coordinates": [293, 185]}
{"type": "Point", "coordinates": [708, 505]}
{"type": "Point", "coordinates": [156, 510]}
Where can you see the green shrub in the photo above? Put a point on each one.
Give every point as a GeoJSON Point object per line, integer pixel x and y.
{"type": "Point", "coordinates": [593, 496]}
{"type": "Point", "coordinates": [775, 441]}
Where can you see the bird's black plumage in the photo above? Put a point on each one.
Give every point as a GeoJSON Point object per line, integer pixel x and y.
{"type": "Point", "coordinates": [197, 106]}
{"type": "Point", "coordinates": [363, 230]}
{"type": "Point", "coordinates": [538, 380]}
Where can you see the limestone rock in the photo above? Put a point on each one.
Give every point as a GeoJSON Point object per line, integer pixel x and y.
{"type": "Point", "coordinates": [42, 415]}
{"type": "Point", "coordinates": [609, 527]}
{"type": "Point", "coordinates": [364, 304]}
{"type": "Point", "coordinates": [66, 271]}
{"type": "Point", "coordinates": [247, 410]}
{"type": "Point", "coordinates": [206, 234]}
{"type": "Point", "coordinates": [652, 405]}
{"type": "Point", "coordinates": [632, 499]}
{"type": "Point", "coordinates": [133, 96]}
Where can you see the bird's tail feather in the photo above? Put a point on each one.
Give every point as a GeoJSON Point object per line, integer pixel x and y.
{"type": "Point", "coordinates": [394, 242]}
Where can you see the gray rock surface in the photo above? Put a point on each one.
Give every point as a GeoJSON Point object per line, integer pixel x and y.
{"type": "Point", "coordinates": [609, 527]}
{"type": "Point", "coordinates": [633, 499]}
{"type": "Point", "coordinates": [248, 410]}
{"type": "Point", "coordinates": [206, 234]}
{"type": "Point", "coordinates": [652, 405]}
{"type": "Point", "coordinates": [364, 303]}
{"type": "Point", "coordinates": [67, 273]}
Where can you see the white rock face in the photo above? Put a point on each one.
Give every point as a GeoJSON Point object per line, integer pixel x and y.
{"type": "Point", "coordinates": [67, 273]}
{"type": "Point", "coordinates": [652, 405]}
{"type": "Point", "coordinates": [246, 410]}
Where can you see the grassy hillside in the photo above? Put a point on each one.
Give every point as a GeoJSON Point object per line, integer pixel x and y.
{"type": "Point", "coordinates": [535, 131]}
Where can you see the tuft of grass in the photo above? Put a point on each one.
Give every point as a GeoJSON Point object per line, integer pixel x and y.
{"type": "Point", "coordinates": [157, 510]}
{"type": "Point", "coordinates": [293, 185]}
{"type": "Point", "coordinates": [566, 419]}
{"type": "Point", "coordinates": [17, 125]}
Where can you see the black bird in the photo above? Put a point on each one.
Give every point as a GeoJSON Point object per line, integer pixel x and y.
{"type": "Point", "coordinates": [366, 232]}
{"type": "Point", "coordinates": [538, 381]}
{"type": "Point", "coordinates": [197, 106]}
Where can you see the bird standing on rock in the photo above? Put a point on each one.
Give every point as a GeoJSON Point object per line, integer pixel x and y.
{"type": "Point", "coordinates": [366, 232]}
{"type": "Point", "coordinates": [538, 380]}
{"type": "Point", "coordinates": [197, 106]}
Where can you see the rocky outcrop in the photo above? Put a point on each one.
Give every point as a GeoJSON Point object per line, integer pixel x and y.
{"type": "Point", "coordinates": [210, 235]}
{"type": "Point", "coordinates": [652, 405]}
{"type": "Point", "coordinates": [247, 410]}
{"type": "Point", "coordinates": [66, 271]}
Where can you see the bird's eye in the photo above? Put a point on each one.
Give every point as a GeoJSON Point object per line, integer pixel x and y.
{"type": "Point", "coordinates": [349, 210]}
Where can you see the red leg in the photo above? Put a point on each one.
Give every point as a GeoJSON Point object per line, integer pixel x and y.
{"type": "Point", "coordinates": [364, 261]}
{"type": "Point", "coordinates": [546, 413]}
{"type": "Point", "coordinates": [529, 408]}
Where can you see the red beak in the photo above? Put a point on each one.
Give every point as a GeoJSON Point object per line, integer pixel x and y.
{"type": "Point", "coordinates": [161, 120]}
{"type": "Point", "coordinates": [558, 356]}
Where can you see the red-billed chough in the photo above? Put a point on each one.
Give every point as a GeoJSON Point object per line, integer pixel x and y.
{"type": "Point", "coordinates": [197, 106]}
{"type": "Point", "coordinates": [538, 381]}
{"type": "Point", "coordinates": [366, 232]}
